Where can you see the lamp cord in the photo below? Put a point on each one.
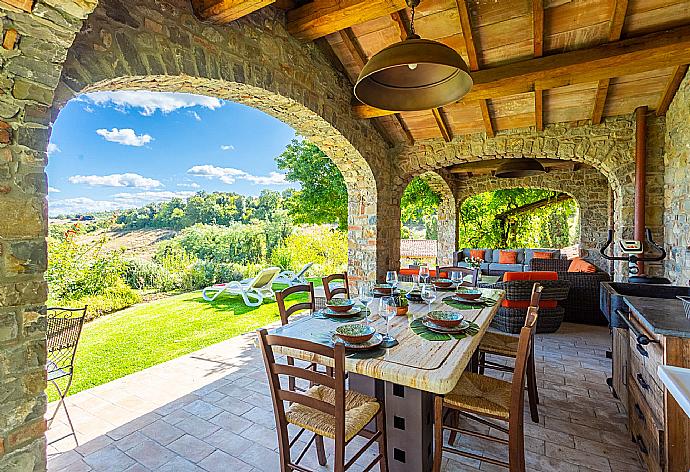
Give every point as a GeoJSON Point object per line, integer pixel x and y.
{"type": "Point", "coordinates": [412, 22]}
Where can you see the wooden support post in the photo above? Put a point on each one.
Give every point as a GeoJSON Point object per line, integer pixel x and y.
{"type": "Point", "coordinates": [671, 89]}
{"type": "Point", "coordinates": [640, 174]}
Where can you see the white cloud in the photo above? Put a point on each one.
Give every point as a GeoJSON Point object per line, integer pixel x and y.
{"type": "Point", "coordinates": [52, 149]}
{"type": "Point", "coordinates": [53, 190]}
{"type": "Point", "coordinates": [195, 115]}
{"type": "Point", "coordinates": [83, 205]}
{"type": "Point", "coordinates": [227, 147]}
{"type": "Point", "coordinates": [125, 136]}
{"type": "Point", "coordinates": [189, 185]}
{"type": "Point", "coordinates": [116, 180]}
{"type": "Point", "coordinates": [229, 175]}
{"type": "Point", "coordinates": [142, 198]}
{"type": "Point", "coordinates": [150, 102]}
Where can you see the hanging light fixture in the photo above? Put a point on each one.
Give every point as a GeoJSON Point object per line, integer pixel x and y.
{"type": "Point", "coordinates": [514, 168]}
{"type": "Point", "coordinates": [414, 74]}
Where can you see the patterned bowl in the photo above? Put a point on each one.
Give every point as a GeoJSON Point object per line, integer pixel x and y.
{"type": "Point", "coordinates": [443, 283]}
{"type": "Point", "coordinates": [341, 305]}
{"type": "Point", "coordinates": [445, 319]}
{"type": "Point", "coordinates": [468, 293]}
{"type": "Point", "coordinates": [355, 333]}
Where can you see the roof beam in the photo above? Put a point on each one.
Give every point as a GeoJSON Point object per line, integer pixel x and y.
{"type": "Point", "coordinates": [442, 124]}
{"type": "Point", "coordinates": [322, 17]}
{"type": "Point", "coordinates": [225, 11]}
{"type": "Point", "coordinates": [671, 89]}
{"type": "Point", "coordinates": [539, 109]}
{"type": "Point", "coordinates": [629, 56]}
{"type": "Point", "coordinates": [600, 100]}
{"type": "Point", "coordinates": [403, 22]}
{"type": "Point", "coordinates": [354, 48]}
{"type": "Point", "coordinates": [486, 116]}
{"type": "Point", "coordinates": [538, 27]}
{"type": "Point", "coordinates": [466, 26]}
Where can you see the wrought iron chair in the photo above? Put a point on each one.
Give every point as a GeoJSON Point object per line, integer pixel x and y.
{"type": "Point", "coordinates": [332, 290]}
{"type": "Point", "coordinates": [473, 273]}
{"type": "Point", "coordinates": [64, 330]}
{"type": "Point", "coordinates": [327, 409]}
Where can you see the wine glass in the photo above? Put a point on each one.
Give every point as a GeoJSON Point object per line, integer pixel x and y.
{"type": "Point", "coordinates": [429, 294]}
{"type": "Point", "coordinates": [424, 274]}
{"type": "Point", "coordinates": [387, 311]}
{"type": "Point", "coordinates": [456, 278]}
{"type": "Point", "coordinates": [366, 296]}
{"type": "Point", "coordinates": [392, 278]}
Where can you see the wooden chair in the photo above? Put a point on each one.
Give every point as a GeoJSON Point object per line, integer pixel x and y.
{"type": "Point", "coordinates": [472, 272]}
{"type": "Point", "coordinates": [327, 409]}
{"type": "Point", "coordinates": [505, 345]}
{"type": "Point", "coordinates": [287, 311]}
{"type": "Point", "coordinates": [477, 394]}
{"type": "Point", "coordinates": [343, 289]}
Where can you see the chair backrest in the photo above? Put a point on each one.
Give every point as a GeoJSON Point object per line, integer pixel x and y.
{"type": "Point", "coordinates": [536, 295]}
{"type": "Point", "coordinates": [525, 346]}
{"type": "Point", "coordinates": [304, 270]}
{"type": "Point", "coordinates": [330, 292]}
{"type": "Point", "coordinates": [334, 379]}
{"type": "Point", "coordinates": [286, 312]}
{"type": "Point", "coordinates": [265, 277]}
{"type": "Point", "coordinates": [62, 338]}
{"type": "Point", "coordinates": [472, 272]}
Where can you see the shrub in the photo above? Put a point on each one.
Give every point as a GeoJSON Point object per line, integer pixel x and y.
{"type": "Point", "coordinates": [113, 299]}
{"type": "Point", "coordinates": [238, 243]}
{"type": "Point", "coordinates": [324, 246]}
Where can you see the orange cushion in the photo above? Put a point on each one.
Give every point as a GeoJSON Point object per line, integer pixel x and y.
{"type": "Point", "coordinates": [581, 265]}
{"type": "Point", "coordinates": [525, 303]}
{"type": "Point", "coordinates": [432, 272]}
{"type": "Point", "coordinates": [530, 275]}
{"type": "Point", "coordinates": [542, 255]}
{"type": "Point", "coordinates": [477, 254]}
{"type": "Point", "coordinates": [507, 257]}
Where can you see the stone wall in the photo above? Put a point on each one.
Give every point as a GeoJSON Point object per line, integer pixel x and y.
{"type": "Point", "coordinates": [677, 186]}
{"type": "Point", "coordinates": [587, 186]}
{"type": "Point", "coordinates": [29, 72]}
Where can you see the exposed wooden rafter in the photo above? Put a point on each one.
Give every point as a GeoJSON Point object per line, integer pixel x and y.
{"type": "Point", "coordinates": [538, 27]}
{"type": "Point", "coordinates": [539, 109]}
{"type": "Point", "coordinates": [442, 124]}
{"type": "Point", "coordinates": [671, 89]}
{"type": "Point", "coordinates": [322, 17]}
{"type": "Point", "coordinates": [353, 47]}
{"type": "Point", "coordinates": [225, 11]}
{"type": "Point", "coordinates": [646, 53]}
{"type": "Point", "coordinates": [600, 100]}
{"type": "Point", "coordinates": [403, 22]}
{"type": "Point", "coordinates": [486, 117]}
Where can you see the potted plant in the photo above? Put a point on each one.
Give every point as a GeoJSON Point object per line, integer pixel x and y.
{"type": "Point", "coordinates": [475, 263]}
{"type": "Point", "coordinates": [401, 303]}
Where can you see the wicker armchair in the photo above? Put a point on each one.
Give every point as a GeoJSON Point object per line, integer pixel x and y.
{"type": "Point", "coordinates": [582, 304]}
{"type": "Point", "coordinates": [511, 320]}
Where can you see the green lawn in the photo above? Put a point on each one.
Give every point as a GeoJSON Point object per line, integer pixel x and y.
{"type": "Point", "coordinates": [145, 335]}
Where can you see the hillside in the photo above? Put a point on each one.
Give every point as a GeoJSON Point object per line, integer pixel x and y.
{"type": "Point", "coordinates": [141, 243]}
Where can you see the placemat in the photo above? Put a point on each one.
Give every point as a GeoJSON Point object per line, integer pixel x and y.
{"type": "Point", "coordinates": [467, 306]}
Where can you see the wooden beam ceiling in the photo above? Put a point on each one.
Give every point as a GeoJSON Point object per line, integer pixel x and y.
{"type": "Point", "coordinates": [620, 58]}
{"type": "Point", "coordinates": [671, 89]}
{"type": "Point", "coordinates": [322, 17]}
{"type": "Point", "coordinates": [225, 11]}
{"type": "Point", "coordinates": [600, 100]}
{"type": "Point", "coordinates": [442, 124]}
{"type": "Point", "coordinates": [538, 39]}
{"type": "Point", "coordinates": [486, 117]}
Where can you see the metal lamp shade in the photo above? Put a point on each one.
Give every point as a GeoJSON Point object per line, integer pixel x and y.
{"type": "Point", "coordinates": [515, 168]}
{"type": "Point", "coordinates": [391, 81]}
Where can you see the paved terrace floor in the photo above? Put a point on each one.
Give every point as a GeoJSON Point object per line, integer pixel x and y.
{"type": "Point", "coordinates": [211, 411]}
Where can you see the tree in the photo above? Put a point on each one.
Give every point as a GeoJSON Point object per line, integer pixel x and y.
{"type": "Point", "coordinates": [418, 201]}
{"type": "Point", "coordinates": [322, 197]}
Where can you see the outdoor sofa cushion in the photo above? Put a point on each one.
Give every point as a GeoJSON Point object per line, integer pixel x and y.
{"type": "Point", "coordinates": [495, 267]}
{"type": "Point", "coordinates": [543, 255]}
{"type": "Point", "coordinates": [529, 253]}
{"type": "Point", "coordinates": [507, 257]}
{"type": "Point", "coordinates": [536, 276]}
{"type": "Point", "coordinates": [478, 253]}
{"type": "Point", "coordinates": [581, 265]}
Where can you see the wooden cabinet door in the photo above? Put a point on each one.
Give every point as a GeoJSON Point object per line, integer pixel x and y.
{"type": "Point", "coordinates": [621, 348]}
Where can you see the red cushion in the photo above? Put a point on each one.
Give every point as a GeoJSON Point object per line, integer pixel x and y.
{"type": "Point", "coordinates": [507, 257]}
{"type": "Point", "coordinates": [432, 272]}
{"type": "Point", "coordinates": [477, 254]}
{"type": "Point", "coordinates": [542, 255]}
{"type": "Point", "coordinates": [581, 265]}
{"type": "Point", "coordinates": [525, 303]}
{"type": "Point", "coordinates": [530, 275]}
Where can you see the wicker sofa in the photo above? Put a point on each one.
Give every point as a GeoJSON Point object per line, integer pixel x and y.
{"type": "Point", "coordinates": [491, 265]}
{"type": "Point", "coordinates": [582, 304]}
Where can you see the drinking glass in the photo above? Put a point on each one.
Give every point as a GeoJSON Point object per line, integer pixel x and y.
{"type": "Point", "coordinates": [429, 294]}
{"type": "Point", "coordinates": [366, 296]}
{"type": "Point", "coordinates": [456, 278]}
{"type": "Point", "coordinates": [387, 311]}
{"type": "Point", "coordinates": [424, 274]}
{"type": "Point", "coordinates": [392, 278]}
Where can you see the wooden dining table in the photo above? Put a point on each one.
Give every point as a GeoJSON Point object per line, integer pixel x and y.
{"type": "Point", "coordinates": [404, 377]}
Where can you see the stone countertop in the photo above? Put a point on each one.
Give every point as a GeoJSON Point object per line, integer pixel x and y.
{"type": "Point", "coordinates": [661, 316]}
{"type": "Point", "coordinates": [677, 381]}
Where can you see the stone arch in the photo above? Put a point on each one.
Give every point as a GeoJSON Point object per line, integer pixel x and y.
{"type": "Point", "coordinates": [252, 61]}
{"type": "Point", "coordinates": [589, 188]}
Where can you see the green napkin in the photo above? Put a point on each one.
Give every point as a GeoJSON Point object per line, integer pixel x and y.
{"type": "Point", "coordinates": [467, 306]}
{"type": "Point", "coordinates": [419, 329]}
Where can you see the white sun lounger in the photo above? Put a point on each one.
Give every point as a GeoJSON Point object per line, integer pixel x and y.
{"type": "Point", "coordinates": [256, 289]}
{"type": "Point", "coordinates": [291, 278]}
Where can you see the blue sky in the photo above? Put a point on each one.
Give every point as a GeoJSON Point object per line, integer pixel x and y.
{"type": "Point", "coordinates": [112, 150]}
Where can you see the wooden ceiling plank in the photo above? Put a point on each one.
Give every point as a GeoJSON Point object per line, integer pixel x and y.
{"type": "Point", "coordinates": [225, 11]}
{"type": "Point", "coordinates": [600, 100]}
{"type": "Point", "coordinates": [466, 27]}
{"type": "Point", "coordinates": [352, 45]}
{"type": "Point", "coordinates": [538, 27]}
{"type": "Point", "coordinates": [442, 124]}
{"type": "Point", "coordinates": [539, 109]}
{"type": "Point", "coordinates": [620, 9]}
{"type": "Point", "coordinates": [322, 17]}
{"type": "Point", "coordinates": [486, 116]}
{"type": "Point", "coordinates": [671, 89]}
{"type": "Point", "coordinates": [406, 130]}
{"type": "Point", "coordinates": [629, 56]}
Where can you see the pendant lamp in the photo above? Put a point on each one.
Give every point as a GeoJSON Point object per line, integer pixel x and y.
{"type": "Point", "coordinates": [515, 168]}
{"type": "Point", "coordinates": [414, 74]}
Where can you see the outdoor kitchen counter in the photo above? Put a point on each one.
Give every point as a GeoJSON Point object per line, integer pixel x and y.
{"type": "Point", "coordinates": [664, 317]}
